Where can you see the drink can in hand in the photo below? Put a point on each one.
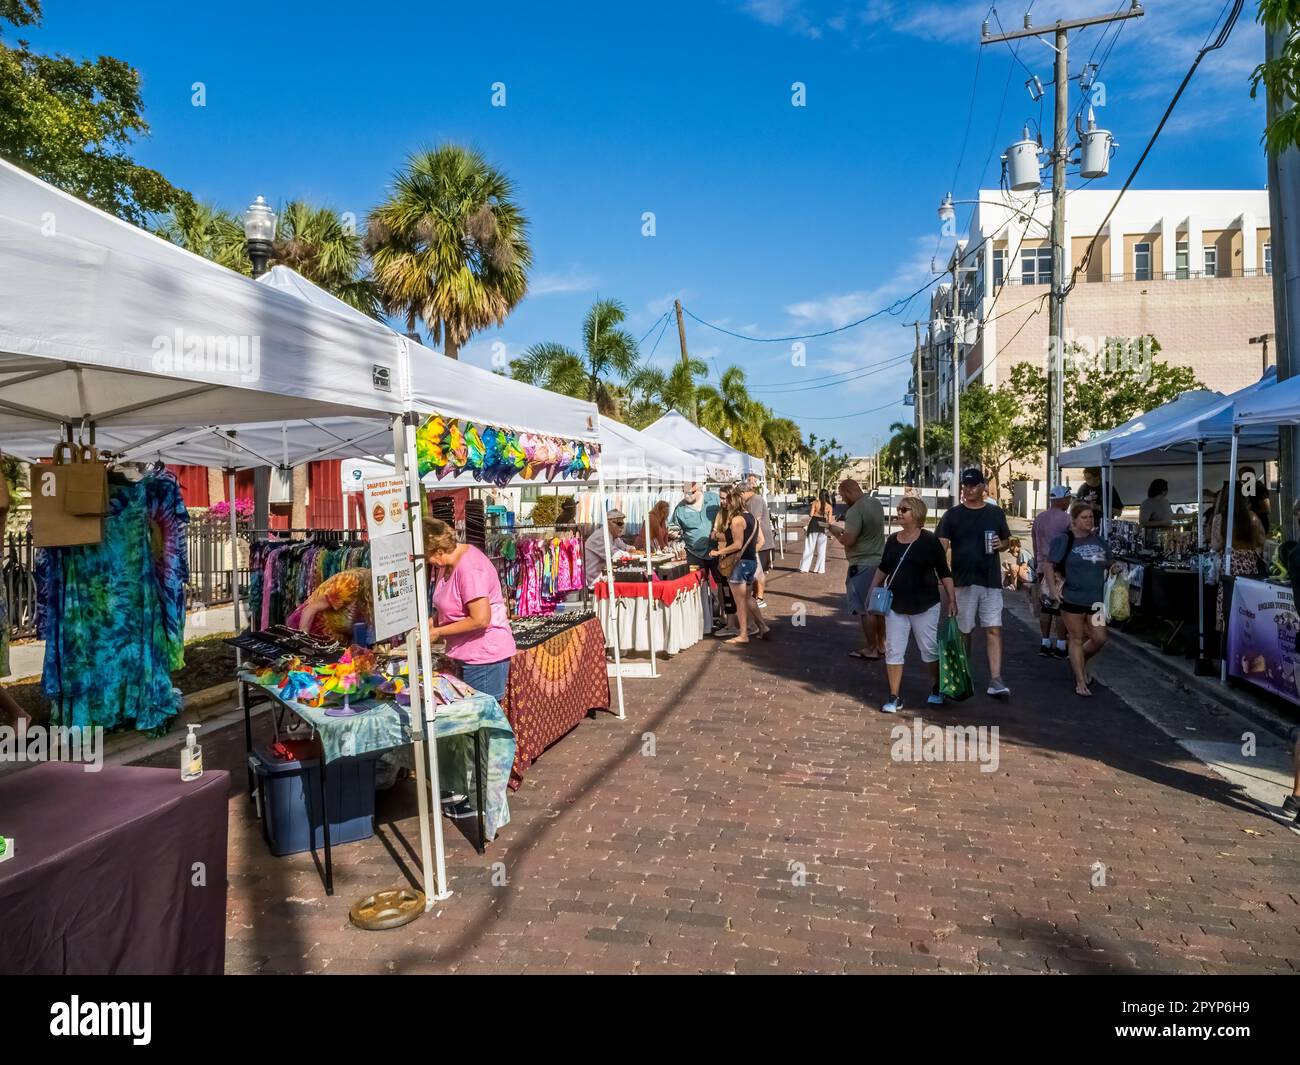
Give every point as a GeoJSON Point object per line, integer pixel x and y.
{"type": "Point", "coordinates": [990, 542]}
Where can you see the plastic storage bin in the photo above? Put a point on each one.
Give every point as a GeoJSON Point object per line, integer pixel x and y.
{"type": "Point", "coordinates": [289, 800]}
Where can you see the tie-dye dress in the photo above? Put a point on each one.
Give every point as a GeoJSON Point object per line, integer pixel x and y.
{"type": "Point", "coordinates": [113, 613]}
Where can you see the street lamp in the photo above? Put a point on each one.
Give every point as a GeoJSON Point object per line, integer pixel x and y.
{"type": "Point", "coordinates": [259, 232]}
{"type": "Point", "coordinates": [947, 212]}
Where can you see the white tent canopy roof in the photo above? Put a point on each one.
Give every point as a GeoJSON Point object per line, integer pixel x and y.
{"type": "Point", "coordinates": [1279, 405]}
{"type": "Point", "coordinates": [1098, 450]}
{"type": "Point", "coordinates": [101, 321]}
{"type": "Point", "coordinates": [724, 461]}
{"type": "Point", "coordinates": [1174, 441]}
{"type": "Point", "coordinates": [458, 389]}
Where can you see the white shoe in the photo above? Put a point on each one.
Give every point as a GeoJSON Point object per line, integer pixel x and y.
{"type": "Point", "coordinates": [894, 705]}
{"type": "Point", "coordinates": [761, 604]}
{"type": "Point", "coordinates": [996, 687]}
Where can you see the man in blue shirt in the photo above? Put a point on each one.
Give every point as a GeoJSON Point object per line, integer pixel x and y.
{"type": "Point", "coordinates": [693, 519]}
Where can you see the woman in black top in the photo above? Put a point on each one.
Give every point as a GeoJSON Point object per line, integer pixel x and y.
{"type": "Point", "coordinates": [740, 528]}
{"type": "Point", "coordinates": [914, 567]}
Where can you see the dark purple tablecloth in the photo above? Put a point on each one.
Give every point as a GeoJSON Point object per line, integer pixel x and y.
{"type": "Point", "coordinates": [102, 880]}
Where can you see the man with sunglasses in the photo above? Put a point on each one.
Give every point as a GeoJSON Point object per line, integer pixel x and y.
{"type": "Point", "coordinates": [594, 549]}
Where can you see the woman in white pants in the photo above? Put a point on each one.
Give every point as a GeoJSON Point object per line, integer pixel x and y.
{"type": "Point", "coordinates": [914, 567]}
{"type": "Point", "coordinates": [814, 541]}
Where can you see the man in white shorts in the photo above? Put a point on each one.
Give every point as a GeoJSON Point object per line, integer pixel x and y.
{"type": "Point", "coordinates": [975, 532]}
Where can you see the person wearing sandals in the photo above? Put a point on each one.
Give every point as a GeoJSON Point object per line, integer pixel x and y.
{"type": "Point", "coordinates": [862, 536]}
{"type": "Point", "coordinates": [740, 531]}
{"type": "Point", "coordinates": [1076, 569]}
{"type": "Point", "coordinates": [914, 568]}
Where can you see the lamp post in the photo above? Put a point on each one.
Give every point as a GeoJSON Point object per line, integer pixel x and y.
{"type": "Point", "coordinates": [259, 232]}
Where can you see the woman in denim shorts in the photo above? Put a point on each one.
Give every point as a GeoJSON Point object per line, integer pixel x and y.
{"type": "Point", "coordinates": [741, 533]}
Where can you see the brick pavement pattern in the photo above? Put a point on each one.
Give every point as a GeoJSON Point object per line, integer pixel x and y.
{"type": "Point", "coordinates": [747, 817]}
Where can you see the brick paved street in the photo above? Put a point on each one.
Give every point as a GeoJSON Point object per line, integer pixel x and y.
{"type": "Point", "coordinates": [774, 759]}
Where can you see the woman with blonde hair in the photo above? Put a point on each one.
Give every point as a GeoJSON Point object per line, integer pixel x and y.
{"type": "Point", "coordinates": [914, 568]}
{"type": "Point", "coordinates": [740, 530]}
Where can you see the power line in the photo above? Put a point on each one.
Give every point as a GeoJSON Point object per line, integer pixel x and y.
{"type": "Point", "coordinates": [660, 337]}
{"type": "Point", "coordinates": [664, 315]}
{"type": "Point", "coordinates": [888, 364]}
{"type": "Point", "coordinates": [1219, 41]}
{"type": "Point", "coordinates": [823, 377]}
{"type": "Point", "coordinates": [837, 417]}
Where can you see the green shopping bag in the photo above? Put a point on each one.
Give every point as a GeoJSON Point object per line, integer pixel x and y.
{"type": "Point", "coordinates": [954, 671]}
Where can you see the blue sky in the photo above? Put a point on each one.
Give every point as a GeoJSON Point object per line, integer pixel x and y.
{"type": "Point", "coordinates": [771, 220]}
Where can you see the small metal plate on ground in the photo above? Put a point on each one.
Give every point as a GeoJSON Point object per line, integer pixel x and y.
{"type": "Point", "coordinates": [387, 909]}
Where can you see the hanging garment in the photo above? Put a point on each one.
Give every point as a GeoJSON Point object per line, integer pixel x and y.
{"type": "Point", "coordinates": [113, 613]}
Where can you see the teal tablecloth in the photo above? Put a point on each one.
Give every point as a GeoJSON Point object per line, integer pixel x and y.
{"type": "Point", "coordinates": [388, 724]}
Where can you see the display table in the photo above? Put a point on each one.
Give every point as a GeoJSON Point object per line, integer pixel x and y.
{"type": "Point", "coordinates": [460, 729]}
{"type": "Point", "coordinates": [1262, 629]}
{"type": "Point", "coordinates": [117, 871]}
{"type": "Point", "coordinates": [678, 614]}
{"type": "Point", "coordinates": [1169, 595]}
{"type": "Point", "coordinates": [551, 688]}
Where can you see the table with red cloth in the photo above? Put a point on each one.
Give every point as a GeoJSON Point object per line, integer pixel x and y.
{"type": "Point", "coordinates": [117, 871]}
{"type": "Point", "coordinates": [551, 688]}
{"type": "Point", "coordinates": [676, 622]}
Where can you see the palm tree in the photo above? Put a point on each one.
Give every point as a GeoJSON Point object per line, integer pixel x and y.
{"type": "Point", "coordinates": [607, 350]}
{"type": "Point", "coordinates": [782, 441]}
{"type": "Point", "coordinates": [652, 392]}
{"type": "Point", "coordinates": [727, 411]}
{"type": "Point", "coordinates": [312, 240]}
{"type": "Point", "coordinates": [318, 244]}
{"type": "Point", "coordinates": [449, 246]}
{"type": "Point", "coordinates": [207, 230]}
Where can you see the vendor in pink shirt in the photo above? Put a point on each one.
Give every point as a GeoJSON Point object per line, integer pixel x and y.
{"type": "Point", "coordinates": [471, 613]}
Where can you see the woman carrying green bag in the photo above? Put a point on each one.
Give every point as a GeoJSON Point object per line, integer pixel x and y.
{"type": "Point", "coordinates": [913, 571]}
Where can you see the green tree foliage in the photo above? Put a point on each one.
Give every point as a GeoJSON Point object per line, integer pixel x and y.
{"type": "Point", "coordinates": [449, 246]}
{"type": "Point", "coordinates": [1124, 379]}
{"type": "Point", "coordinates": [609, 357]}
{"type": "Point", "coordinates": [826, 461]}
{"type": "Point", "coordinates": [72, 122]}
{"type": "Point", "coordinates": [1280, 76]}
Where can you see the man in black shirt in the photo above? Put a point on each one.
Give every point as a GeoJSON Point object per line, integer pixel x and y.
{"type": "Point", "coordinates": [975, 532]}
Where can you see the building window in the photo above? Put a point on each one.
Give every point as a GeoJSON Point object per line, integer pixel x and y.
{"type": "Point", "coordinates": [1268, 259]}
{"type": "Point", "coordinates": [1211, 261]}
{"type": "Point", "coordinates": [1142, 261]}
{"type": "Point", "coordinates": [1180, 260]}
{"type": "Point", "coordinates": [1036, 266]}
{"type": "Point", "coordinates": [999, 266]}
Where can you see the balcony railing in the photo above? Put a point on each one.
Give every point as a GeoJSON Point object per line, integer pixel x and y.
{"type": "Point", "coordinates": [1157, 275]}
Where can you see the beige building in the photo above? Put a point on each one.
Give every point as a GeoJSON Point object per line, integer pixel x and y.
{"type": "Point", "coordinates": [1192, 268]}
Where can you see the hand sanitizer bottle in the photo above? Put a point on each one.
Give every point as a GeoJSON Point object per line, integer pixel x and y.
{"type": "Point", "coordinates": [191, 757]}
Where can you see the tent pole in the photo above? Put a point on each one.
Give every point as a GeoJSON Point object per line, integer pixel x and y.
{"type": "Point", "coordinates": [602, 506]}
{"type": "Point", "coordinates": [1200, 549]}
{"type": "Point", "coordinates": [234, 599]}
{"type": "Point", "coordinates": [1227, 551]}
{"type": "Point", "coordinates": [649, 580]}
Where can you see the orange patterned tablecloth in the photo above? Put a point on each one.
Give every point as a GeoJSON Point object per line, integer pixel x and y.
{"type": "Point", "coordinates": [551, 688]}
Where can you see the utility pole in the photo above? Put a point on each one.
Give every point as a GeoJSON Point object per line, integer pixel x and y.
{"type": "Point", "coordinates": [920, 410]}
{"type": "Point", "coordinates": [686, 361]}
{"type": "Point", "coordinates": [956, 378]}
{"type": "Point", "coordinates": [1060, 153]}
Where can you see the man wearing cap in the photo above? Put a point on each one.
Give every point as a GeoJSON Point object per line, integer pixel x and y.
{"type": "Point", "coordinates": [863, 538]}
{"type": "Point", "coordinates": [1051, 523]}
{"type": "Point", "coordinates": [975, 531]}
{"type": "Point", "coordinates": [593, 556]}
{"type": "Point", "coordinates": [693, 518]}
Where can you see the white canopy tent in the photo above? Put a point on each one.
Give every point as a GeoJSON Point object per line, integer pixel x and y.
{"type": "Point", "coordinates": [725, 463]}
{"type": "Point", "coordinates": [155, 352]}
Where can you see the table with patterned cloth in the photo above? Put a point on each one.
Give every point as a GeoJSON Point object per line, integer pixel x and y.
{"type": "Point", "coordinates": [551, 688]}
{"type": "Point", "coordinates": [387, 724]}
{"type": "Point", "coordinates": [678, 614]}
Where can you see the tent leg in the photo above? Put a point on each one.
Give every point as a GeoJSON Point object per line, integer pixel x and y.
{"type": "Point", "coordinates": [419, 658]}
{"type": "Point", "coordinates": [1227, 551]}
{"type": "Point", "coordinates": [239, 655]}
{"type": "Point", "coordinates": [649, 579]}
{"type": "Point", "coordinates": [1202, 667]}
{"type": "Point", "coordinates": [602, 506]}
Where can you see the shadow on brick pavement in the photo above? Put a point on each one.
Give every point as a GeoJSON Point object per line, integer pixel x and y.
{"type": "Point", "coordinates": [748, 817]}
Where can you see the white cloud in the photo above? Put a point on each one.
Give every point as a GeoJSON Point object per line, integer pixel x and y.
{"type": "Point", "coordinates": [574, 279]}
